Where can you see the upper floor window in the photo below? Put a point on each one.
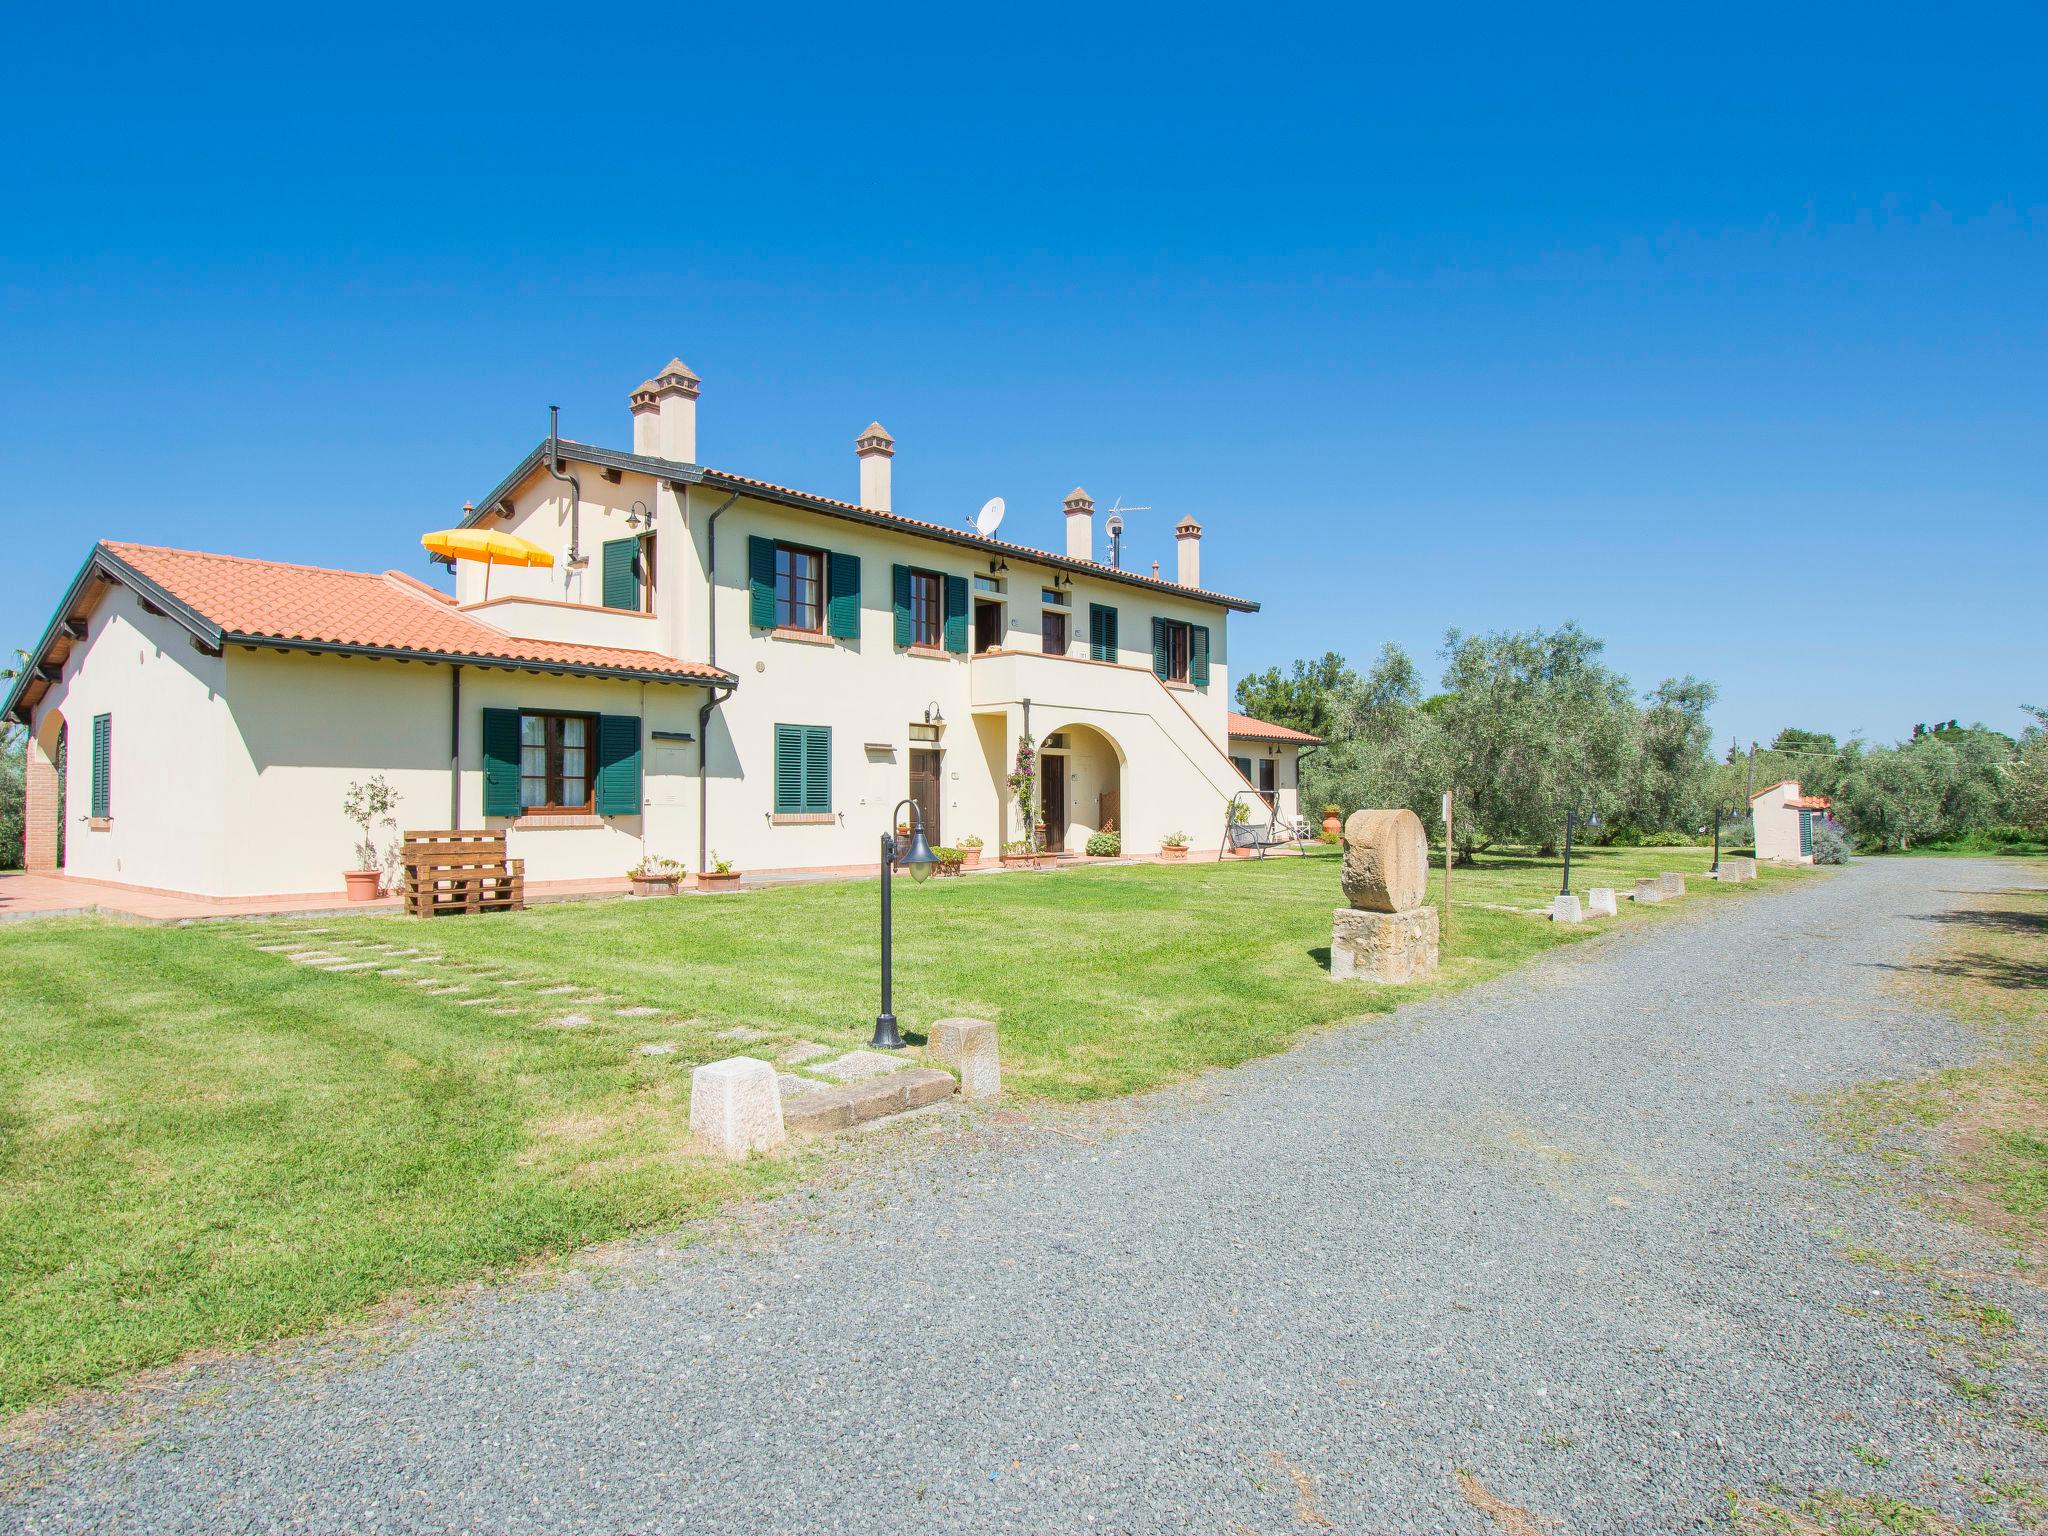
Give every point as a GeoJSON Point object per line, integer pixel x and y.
{"type": "Point", "coordinates": [927, 608]}
{"type": "Point", "coordinates": [628, 573]}
{"type": "Point", "coordinates": [1180, 652]}
{"type": "Point", "coordinates": [1176, 641]}
{"type": "Point", "coordinates": [1059, 597]}
{"type": "Point", "coordinates": [989, 584]}
{"type": "Point", "coordinates": [799, 588]}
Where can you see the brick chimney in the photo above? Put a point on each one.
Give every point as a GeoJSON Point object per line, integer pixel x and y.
{"type": "Point", "coordinates": [1080, 525]}
{"type": "Point", "coordinates": [1188, 534]}
{"type": "Point", "coordinates": [665, 414]}
{"type": "Point", "coordinates": [875, 448]}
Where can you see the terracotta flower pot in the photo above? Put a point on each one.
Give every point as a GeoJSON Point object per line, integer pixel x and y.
{"type": "Point", "coordinates": [1333, 824]}
{"type": "Point", "coordinates": [1173, 855]}
{"type": "Point", "coordinates": [1020, 860]}
{"type": "Point", "coordinates": [363, 884]}
{"type": "Point", "coordinates": [712, 880]}
{"type": "Point", "coordinates": [657, 886]}
{"type": "Point", "coordinates": [970, 856]}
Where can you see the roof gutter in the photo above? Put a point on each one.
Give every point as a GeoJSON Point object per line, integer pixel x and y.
{"type": "Point", "coordinates": [471, 659]}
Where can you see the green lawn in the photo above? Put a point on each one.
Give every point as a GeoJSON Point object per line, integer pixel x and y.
{"type": "Point", "coordinates": [203, 1145]}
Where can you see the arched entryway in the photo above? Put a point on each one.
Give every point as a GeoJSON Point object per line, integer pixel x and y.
{"type": "Point", "coordinates": [43, 794]}
{"type": "Point", "coordinates": [1081, 772]}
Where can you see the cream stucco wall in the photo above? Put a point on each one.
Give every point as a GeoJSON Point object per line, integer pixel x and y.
{"type": "Point", "coordinates": [167, 826]}
{"type": "Point", "coordinates": [1777, 825]}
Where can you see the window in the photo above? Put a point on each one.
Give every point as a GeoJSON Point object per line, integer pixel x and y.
{"type": "Point", "coordinates": [102, 754]}
{"type": "Point", "coordinates": [990, 584]}
{"type": "Point", "coordinates": [803, 770]}
{"type": "Point", "coordinates": [1180, 652]}
{"type": "Point", "coordinates": [1059, 597]}
{"type": "Point", "coordinates": [1267, 784]}
{"type": "Point", "coordinates": [554, 763]}
{"type": "Point", "coordinates": [799, 588]}
{"type": "Point", "coordinates": [628, 573]}
{"type": "Point", "coordinates": [927, 610]}
{"type": "Point", "coordinates": [1101, 632]}
{"type": "Point", "coordinates": [1244, 766]}
{"type": "Point", "coordinates": [920, 731]}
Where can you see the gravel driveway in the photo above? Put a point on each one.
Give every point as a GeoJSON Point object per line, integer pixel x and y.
{"type": "Point", "coordinates": [1567, 1241]}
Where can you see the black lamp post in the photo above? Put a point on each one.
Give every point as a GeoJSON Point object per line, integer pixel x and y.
{"type": "Point", "coordinates": [1571, 817]}
{"type": "Point", "coordinates": [1721, 813]}
{"type": "Point", "coordinates": [920, 861]}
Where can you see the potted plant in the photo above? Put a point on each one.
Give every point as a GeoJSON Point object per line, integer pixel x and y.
{"type": "Point", "coordinates": [369, 803]}
{"type": "Point", "coordinates": [1240, 813]}
{"type": "Point", "coordinates": [1020, 854]}
{"type": "Point", "coordinates": [950, 860]}
{"type": "Point", "coordinates": [970, 850]}
{"type": "Point", "coordinates": [1333, 820]}
{"type": "Point", "coordinates": [1174, 847]}
{"type": "Point", "coordinates": [656, 877]}
{"type": "Point", "coordinates": [1106, 845]}
{"type": "Point", "coordinates": [721, 876]}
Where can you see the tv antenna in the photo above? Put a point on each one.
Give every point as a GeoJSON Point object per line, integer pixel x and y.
{"type": "Point", "coordinates": [1115, 525]}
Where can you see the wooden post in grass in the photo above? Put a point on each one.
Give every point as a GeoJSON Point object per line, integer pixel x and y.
{"type": "Point", "coordinates": [1447, 869]}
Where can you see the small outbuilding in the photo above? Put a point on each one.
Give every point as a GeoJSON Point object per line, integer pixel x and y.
{"type": "Point", "coordinates": [1784, 820]}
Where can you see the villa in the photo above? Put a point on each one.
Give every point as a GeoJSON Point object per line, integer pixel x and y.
{"type": "Point", "coordinates": [714, 667]}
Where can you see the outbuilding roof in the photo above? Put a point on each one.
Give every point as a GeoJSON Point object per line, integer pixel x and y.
{"type": "Point", "coordinates": [231, 600]}
{"type": "Point", "coordinates": [1264, 730]}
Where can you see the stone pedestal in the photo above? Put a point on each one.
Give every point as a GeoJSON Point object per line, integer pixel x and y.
{"type": "Point", "coordinates": [1673, 886]}
{"type": "Point", "coordinates": [1600, 901]}
{"type": "Point", "coordinates": [1649, 889]}
{"type": "Point", "coordinates": [736, 1107]}
{"type": "Point", "coordinates": [1566, 909]}
{"type": "Point", "coordinates": [1735, 871]}
{"type": "Point", "coordinates": [1384, 946]}
{"type": "Point", "coordinates": [967, 1049]}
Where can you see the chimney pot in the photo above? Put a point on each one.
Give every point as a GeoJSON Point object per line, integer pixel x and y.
{"type": "Point", "coordinates": [875, 448]}
{"type": "Point", "coordinates": [1080, 525]}
{"type": "Point", "coordinates": [1188, 534]}
{"type": "Point", "coordinates": [665, 414]}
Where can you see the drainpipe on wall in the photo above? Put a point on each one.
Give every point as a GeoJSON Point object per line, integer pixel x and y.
{"type": "Point", "coordinates": [575, 491]}
{"type": "Point", "coordinates": [716, 696]}
{"type": "Point", "coordinates": [455, 749]}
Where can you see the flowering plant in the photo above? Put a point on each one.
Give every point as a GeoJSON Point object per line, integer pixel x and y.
{"type": "Point", "coordinates": [1023, 779]}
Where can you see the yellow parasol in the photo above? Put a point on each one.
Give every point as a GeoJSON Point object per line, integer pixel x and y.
{"type": "Point", "coordinates": [491, 548]}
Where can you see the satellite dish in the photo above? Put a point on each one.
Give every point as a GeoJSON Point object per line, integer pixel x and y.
{"type": "Point", "coordinates": [990, 517]}
{"type": "Point", "coordinates": [1115, 525]}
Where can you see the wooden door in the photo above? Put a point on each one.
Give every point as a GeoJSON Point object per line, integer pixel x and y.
{"type": "Point", "coordinates": [1052, 810]}
{"type": "Point", "coordinates": [1266, 781]}
{"type": "Point", "coordinates": [1053, 632]}
{"type": "Point", "coordinates": [988, 626]}
{"type": "Point", "coordinates": [924, 789]}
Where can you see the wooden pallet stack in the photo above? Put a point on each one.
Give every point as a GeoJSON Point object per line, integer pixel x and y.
{"type": "Point", "coordinates": [460, 872]}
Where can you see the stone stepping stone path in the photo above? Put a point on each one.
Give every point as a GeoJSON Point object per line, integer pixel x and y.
{"type": "Point", "coordinates": [634, 1013]}
{"type": "Point", "coordinates": [802, 1051]}
{"type": "Point", "coordinates": [742, 1034]}
{"type": "Point", "coordinates": [657, 1048]}
{"type": "Point", "coordinates": [566, 1021]}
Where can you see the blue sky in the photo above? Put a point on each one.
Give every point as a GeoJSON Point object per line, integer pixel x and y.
{"type": "Point", "coordinates": [1720, 333]}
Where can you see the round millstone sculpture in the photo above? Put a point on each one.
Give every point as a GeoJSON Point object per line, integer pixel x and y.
{"type": "Point", "coordinates": [1387, 933]}
{"type": "Point", "coordinates": [1386, 861]}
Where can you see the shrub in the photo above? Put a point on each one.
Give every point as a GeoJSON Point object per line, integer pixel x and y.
{"type": "Point", "coordinates": [970, 841]}
{"type": "Point", "coordinates": [1106, 845]}
{"type": "Point", "coordinates": [1830, 844]}
{"type": "Point", "coordinates": [1664, 840]}
{"type": "Point", "coordinates": [1019, 845]}
{"type": "Point", "coordinates": [1174, 840]}
{"type": "Point", "coordinates": [652, 868]}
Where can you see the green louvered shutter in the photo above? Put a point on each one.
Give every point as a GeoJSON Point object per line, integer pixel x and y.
{"type": "Point", "coordinates": [899, 581]}
{"type": "Point", "coordinates": [501, 762]}
{"type": "Point", "coordinates": [760, 582]}
{"type": "Point", "coordinates": [1198, 655]}
{"type": "Point", "coordinates": [1102, 645]}
{"type": "Point", "coordinates": [102, 751]}
{"type": "Point", "coordinates": [842, 605]}
{"type": "Point", "coordinates": [956, 615]}
{"type": "Point", "coordinates": [618, 765]}
{"type": "Point", "coordinates": [818, 770]}
{"type": "Point", "coordinates": [622, 573]}
{"type": "Point", "coordinates": [1159, 649]}
{"type": "Point", "coordinates": [1805, 826]}
{"type": "Point", "coordinates": [789, 769]}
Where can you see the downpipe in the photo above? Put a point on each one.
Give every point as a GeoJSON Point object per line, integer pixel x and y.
{"type": "Point", "coordinates": [717, 696]}
{"type": "Point", "coordinates": [575, 489]}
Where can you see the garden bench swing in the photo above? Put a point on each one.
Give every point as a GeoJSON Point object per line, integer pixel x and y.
{"type": "Point", "coordinates": [1243, 832]}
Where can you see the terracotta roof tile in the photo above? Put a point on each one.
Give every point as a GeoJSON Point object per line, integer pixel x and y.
{"type": "Point", "coordinates": [363, 610]}
{"type": "Point", "coordinates": [1265, 730]}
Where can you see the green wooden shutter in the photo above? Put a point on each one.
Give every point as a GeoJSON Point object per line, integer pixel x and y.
{"type": "Point", "coordinates": [1102, 642]}
{"type": "Point", "coordinates": [818, 770]}
{"type": "Point", "coordinates": [102, 751]}
{"type": "Point", "coordinates": [789, 769]}
{"type": "Point", "coordinates": [1159, 662]}
{"type": "Point", "coordinates": [618, 765]}
{"type": "Point", "coordinates": [956, 615]}
{"type": "Point", "coordinates": [501, 762]}
{"type": "Point", "coordinates": [842, 606]}
{"type": "Point", "coordinates": [900, 583]}
{"type": "Point", "coordinates": [622, 573]}
{"type": "Point", "coordinates": [1805, 827]}
{"type": "Point", "coordinates": [760, 582]}
{"type": "Point", "coordinates": [1198, 655]}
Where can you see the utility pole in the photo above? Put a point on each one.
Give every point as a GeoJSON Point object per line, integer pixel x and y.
{"type": "Point", "coordinates": [1749, 792]}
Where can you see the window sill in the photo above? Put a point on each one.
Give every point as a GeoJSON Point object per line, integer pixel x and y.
{"type": "Point", "coordinates": [803, 819]}
{"type": "Point", "coordinates": [1179, 687]}
{"type": "Point", "coordinates": [929, 652]}
{"type": "Point", "coordinates": [801, 636]}
{"type": "Point", "coordinates": [553, 821]}
{"type": "Point", "coordinates": [99, 823]}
